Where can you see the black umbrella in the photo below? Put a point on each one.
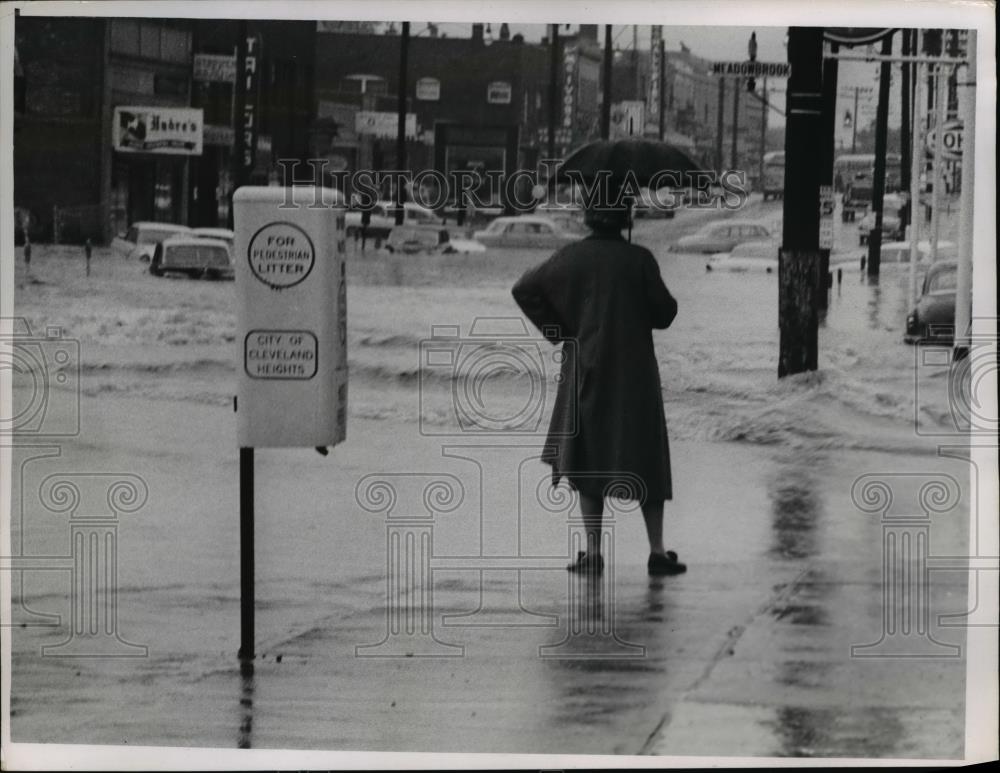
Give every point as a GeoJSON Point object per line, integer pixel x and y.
{"type": "Point", "coordinates": [644, 158]}
{"type": "Point", "coordinates": [628, 160]}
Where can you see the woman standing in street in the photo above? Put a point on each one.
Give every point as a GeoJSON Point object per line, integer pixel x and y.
{"type": "Point", "coordinates": [603, 297]}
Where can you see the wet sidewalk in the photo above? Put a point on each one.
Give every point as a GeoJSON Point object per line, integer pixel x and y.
{"type": "Point", "coordinates": [411, 595]}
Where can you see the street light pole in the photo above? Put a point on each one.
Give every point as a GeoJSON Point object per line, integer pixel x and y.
{"type": "Point", "coordinates": [881, 141]}
{"type": "Point", "coordinates": [963, 288]}
{"type": "Point", "coordinates": [734, 154]}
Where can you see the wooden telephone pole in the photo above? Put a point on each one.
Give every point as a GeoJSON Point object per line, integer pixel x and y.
{"type": "Point", "coordinates": [799, 266]}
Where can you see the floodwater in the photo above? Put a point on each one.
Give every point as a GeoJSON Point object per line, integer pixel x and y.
{"type": "Point", "coordinates": [498, 649]}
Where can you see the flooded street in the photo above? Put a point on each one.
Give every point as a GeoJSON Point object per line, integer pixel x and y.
{"type": "Point", "coordinates": [411, 590]}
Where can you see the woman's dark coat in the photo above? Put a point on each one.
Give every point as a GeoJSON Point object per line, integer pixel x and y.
{"type": "Point", "coordinates": [603, 297]}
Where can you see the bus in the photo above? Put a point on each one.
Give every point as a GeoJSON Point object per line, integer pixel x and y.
{"type": "Point", "coordinates": [853, 167]}
{"type": "Point", "coordinates": [774, 174]}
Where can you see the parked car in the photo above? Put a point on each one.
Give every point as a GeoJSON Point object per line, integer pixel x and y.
{"type": "Point", "coordinates": [414, 239]}
{"type": "Point", "coordinates": [722, 236]}
{"type": "Point", "coordinates": [659, 203]}
{"type": "Point", "coordinates": [899, 252]}
{"type": "Point", "coordinates": [222, 234]}
{"type": "Point", "coordinates": [747, 257]}
{"type": "Point", "coordinates": [857, 197]}
{"type": "Point", "coordinates": [933, 318]}
{"type": "Point", "coordinates": [194, 256]}
{"type": "Point", "coordinates": [892, 220]}
{"type": "Point", "coordinates": [141, 239]}
{"type": "Point", "coordinates": [532, 231]}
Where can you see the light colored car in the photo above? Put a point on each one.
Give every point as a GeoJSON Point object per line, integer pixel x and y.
{"type": "Point", "coordinates": [892, 221]}
{"type": "Point", "coordinates": [899, 252]}
{"type": "Point", "coordinates": [659, 203]}
{"type": "Point", "coordinates": [379, 225]}
{"type": "Point", "coordinates": [140, 240]}
{"type": "Point", "coordinates": [414, 239]}
{"type": "Point", "coordinates": [722, 236]}
{"type": "Point", "coordinates": [747, 257]}
{"type": "Point", "coordinates": [194, 256]}
{"type": "Point", "coordinates": [222, 234]}
{"type": "Point", "coordinates": [526, 231]}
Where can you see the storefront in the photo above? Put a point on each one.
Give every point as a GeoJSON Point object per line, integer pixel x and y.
{"type": "Point", "coordinates": [151, 168]}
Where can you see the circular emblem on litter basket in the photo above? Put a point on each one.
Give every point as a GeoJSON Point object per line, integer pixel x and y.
{"type": "Point", "coordinates": [281, 255]}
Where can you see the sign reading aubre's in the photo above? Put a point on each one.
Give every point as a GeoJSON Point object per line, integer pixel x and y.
{"type": "Point", "coordinates": [291, 317]}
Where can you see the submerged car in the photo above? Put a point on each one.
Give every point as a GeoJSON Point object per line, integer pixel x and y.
{"type": "Point", "coordinates": [933, 317]}
{"type": "Point", "coordinates": [530, 231]}
{"type": "Point", "coordinates": [193, 256]}
{"type": "Point", "coordinates": [659, 203]}
{"type": "Point", "coordinates": [747, 257]}
{"type": "Point", "coordinates": [140, 240]}
{"type": "Point", "coordinates": [899, 252]}
{"type": "Point", "coordinates": [415, 239]}
{"type": "Point", "coordinates": [722, 236]}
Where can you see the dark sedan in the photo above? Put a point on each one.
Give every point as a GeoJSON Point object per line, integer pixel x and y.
{"type": "Point", "coordinates": [933, 318]}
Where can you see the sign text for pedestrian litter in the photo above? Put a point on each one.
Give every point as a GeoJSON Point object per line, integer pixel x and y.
{"type": "Point", "coordinates": [753, 69]}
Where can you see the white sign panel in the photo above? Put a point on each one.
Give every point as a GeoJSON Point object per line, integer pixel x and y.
{"type": "Point", "coordinates": [826, 207]}
{"type": "Point", "coordinates": [951, 141]}
{"type": "Point", "coordinates": [160, 130]}
{"type": "Point", "coordinates": [428, 89]}
{"type": "Point", "coordinates": [291, 317]}
{"type": "Point", "coordinates": [214, 68]}
{"type": "Point", "coordinates": [383, 124]}
{"type": "Point", "coordinates": [498, 93]}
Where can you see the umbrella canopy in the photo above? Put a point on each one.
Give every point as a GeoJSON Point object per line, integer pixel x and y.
{"type": "Point", "coordinates": [643, 158]}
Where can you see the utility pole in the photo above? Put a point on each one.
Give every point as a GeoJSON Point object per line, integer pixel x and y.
{"type": "Point", "coordinates": [736, 124]}
{"type": "Point", "coordinates": [916, 165]}
{"type": "Point", "coordinates": [904, 126]}
{"type": "Point", "coordinates": [720, 124]}
{"type": "Point", "coordinates": [854, 125]}
{"type": "Point", "coordinates": [763, 131]}
{"type": "Point", "coordinates": [881, 137]}
{"type": "Point", "coordinates": [663, 88]}
{"type": "Point", "coordinates": [553, 88]}
{"type": "Point", "coordinates": [404, 49]}
{"type": "Point", "coordinates": [826, 148]}
{"type": "Point", "coordinates": [799, 259]}
{"type": "Point", "coordinates": [941, 107]}
{"type": "Point", "coordinates": [636, 79]}
{"type": "Point", "coordinates": [963, 291]}
{"type": "Point", "coordinates": [606, 104]}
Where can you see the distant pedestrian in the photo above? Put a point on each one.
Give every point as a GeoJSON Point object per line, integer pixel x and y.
{"type": "Point", "coordinates": [27, 254]}
{"type": "Point", "coordinates": [603, 297]}
{"type": "Point", "coordinates": [87, 249]}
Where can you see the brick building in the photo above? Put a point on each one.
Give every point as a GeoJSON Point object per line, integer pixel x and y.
{"type": "Point", "coordinates": [90, 89]}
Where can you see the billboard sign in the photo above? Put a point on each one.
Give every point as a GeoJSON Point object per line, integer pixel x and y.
{"type": "Point", "coordinates": [177, 131]}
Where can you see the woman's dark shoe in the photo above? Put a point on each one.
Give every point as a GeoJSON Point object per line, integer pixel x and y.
{"type": "Point", "coordinates": [661, 564]}
{"type": "Point", "coordinates": [587, 563]}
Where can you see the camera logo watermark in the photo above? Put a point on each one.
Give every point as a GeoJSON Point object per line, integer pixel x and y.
{"type": "Point", "coordinates": [496, 380]}
{"type": "Point", "coordinates": [45, 374]}
{"type": "Point", "coordinates": [94, 503]}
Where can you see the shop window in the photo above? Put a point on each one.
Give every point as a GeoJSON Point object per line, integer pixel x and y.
{"type": "Point", "coordinates": [170, 85]}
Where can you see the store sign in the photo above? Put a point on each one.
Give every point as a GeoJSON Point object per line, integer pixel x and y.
{"type": "Point", "coordinates": [498, 93]}
{"type": "Point", "coordinates": [214, 68]}
{"type": "Point", "coordinates": [291, 316]}
{"type": "Point", "coordinates": [653, 101]}
{"type": "Point", "coordinates": [383, 124]}
{"type": "Point", "coordinates": [249, 121]}
{"type": "Point", "coordinates": [753, 69]}
{"type": "Point", "coordinates": [428, 89]}
{"type": "Point", "coordinates": [162, 130]}
{"type": "Point", "coordinates": [569, 87]}
{"type": "Point", "coordinates": [214, 134]}
{"type": "Point", "coordinates": [951, 141]}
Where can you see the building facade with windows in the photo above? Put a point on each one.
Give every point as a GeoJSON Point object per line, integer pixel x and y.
{"type": "Point", "coordinates": [120, 120]}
